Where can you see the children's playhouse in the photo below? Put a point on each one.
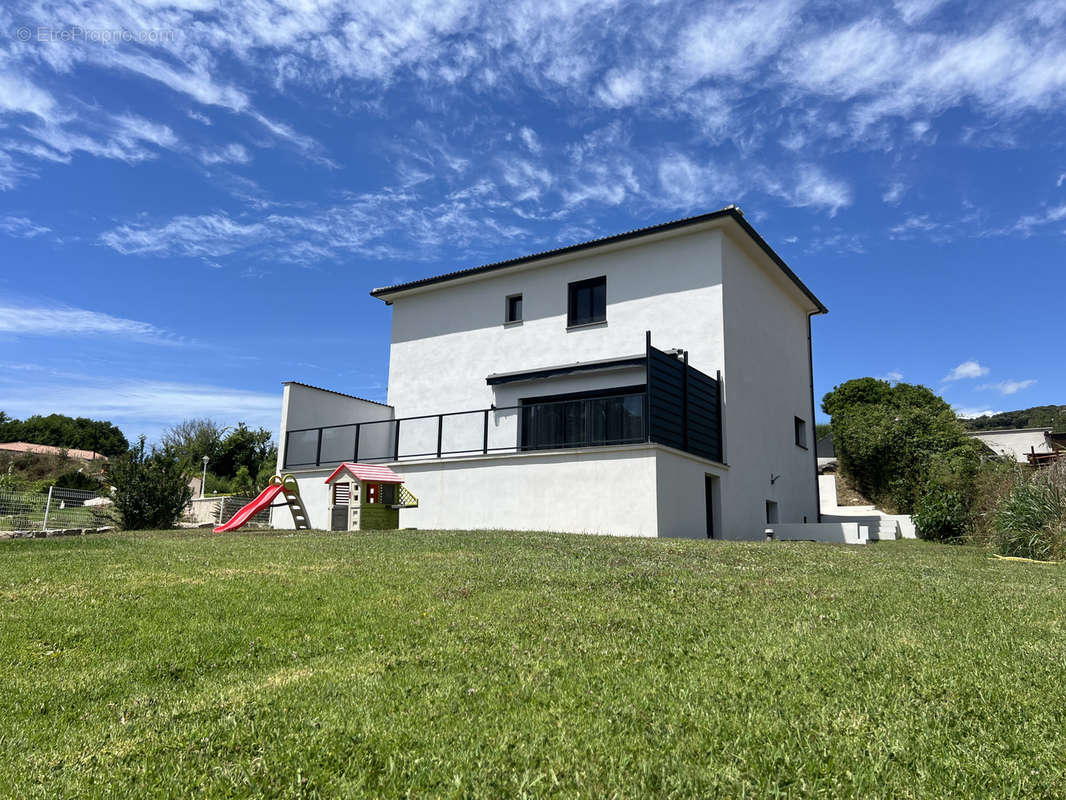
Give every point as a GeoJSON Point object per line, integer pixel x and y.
{"type": "Point", "coordinates": [366, 497]}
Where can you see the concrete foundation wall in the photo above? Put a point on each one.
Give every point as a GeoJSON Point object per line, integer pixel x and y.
{"type": "Point", "coordinates": [840, 532]}
{"type": "Point", "coordinates": [605, 491]}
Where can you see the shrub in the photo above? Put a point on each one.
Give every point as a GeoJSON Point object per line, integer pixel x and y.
{"type": "Point", "coordinates": [942, 513]}
{"type": "Point", "coordinates": [1031, 520]}
{"type": "Point", "coordinates": [151, 488]}
{"type": "Point", "coordinates": [242, 482]}
{"type": "Point", "coordinates": [78, 479]}
{"type": "Point", "coordinates": [894, 441]}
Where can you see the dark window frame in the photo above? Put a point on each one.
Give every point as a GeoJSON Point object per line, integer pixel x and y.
{"type": "Point", "coordinates": [508, 308]}
{"type": "Point", "coordinates": [524, 435]}
{"type": "Point", "coordinates": [595, 311]}
{"type": "Point", "coordinates": [799, 426]}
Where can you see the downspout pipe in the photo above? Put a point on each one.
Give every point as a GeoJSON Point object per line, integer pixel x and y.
{"type": "Point", "coordinates": [814, 427]}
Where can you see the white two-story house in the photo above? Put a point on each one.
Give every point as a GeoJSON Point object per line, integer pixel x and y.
{"type": "Point", "coordinates": [652, 383]}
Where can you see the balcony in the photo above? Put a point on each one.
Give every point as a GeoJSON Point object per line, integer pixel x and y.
{"type": "Point", "coordinates": [678, 406]}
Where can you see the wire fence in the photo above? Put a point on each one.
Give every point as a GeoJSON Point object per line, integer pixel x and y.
{"type": "Point", "coordinates": [56, 509]}
{"type": "Point", "coordinates": [217, 510]}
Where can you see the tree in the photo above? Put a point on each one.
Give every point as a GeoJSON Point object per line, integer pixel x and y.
{"type": "Point", "coordinates": [244, 447]}
{"type": "Point", "coordinates": [192, 439]}
{"type": "Point", "coordinates": [151, 487]}
{"type": "Point", "coordinates": [59, 430]}
{"type": "Point", "coordinates": [895, 441]}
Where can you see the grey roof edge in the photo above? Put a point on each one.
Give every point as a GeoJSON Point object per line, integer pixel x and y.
{"type": "Point", "coordinates": [621, 362]}
{"type": "Point", "coordinates": [730, 211]}
{"type": "Point", "coordinates": [1009, 430]}
{"type": "Point", "coordinates": [334, 391]}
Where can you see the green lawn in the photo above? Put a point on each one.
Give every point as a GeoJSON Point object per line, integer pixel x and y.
{"type": "Point", "coordinates": [503, 664]}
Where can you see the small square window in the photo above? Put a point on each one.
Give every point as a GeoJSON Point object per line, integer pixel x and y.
{"type": "Point", "coordinates": [587, 302]}
{"type": "Point", "coordinates": [801, 433]}
{"type": "Point", "coordinates": [514, 308]}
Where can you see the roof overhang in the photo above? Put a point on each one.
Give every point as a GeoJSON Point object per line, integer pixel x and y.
{"type": "Point", "coordinates": [726, 217]}
{"type": "Point", "coordinates": [603, 365]}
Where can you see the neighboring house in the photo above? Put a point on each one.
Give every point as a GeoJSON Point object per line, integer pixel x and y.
{"type": "Point", "coordinates": [826, 454]}
{"type": "Point", "coordinates": [47, 449]}
{"type": "Point", "coordinates": [653, 383]}
{"type": "Point", "coordinates": [1036, 446]}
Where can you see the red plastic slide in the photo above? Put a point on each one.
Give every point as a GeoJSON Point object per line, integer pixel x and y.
{"type": "Point", "coordinates": [266, 497]}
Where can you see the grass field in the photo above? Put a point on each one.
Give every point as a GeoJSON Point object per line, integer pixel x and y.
{"type": "Point", "coordinates": [501, 664]}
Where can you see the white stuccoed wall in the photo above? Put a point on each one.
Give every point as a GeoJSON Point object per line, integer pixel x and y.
{"type": "Point", "coordinates": [308, 407]}
{"type": "Point", "coordinates": [537, 491]}
{"type": "Point", "coordinates": [445, 342]}
{"type": "Point", "coordinates": [767, 385]}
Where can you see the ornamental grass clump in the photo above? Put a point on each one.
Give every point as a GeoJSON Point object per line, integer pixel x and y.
{"type": "Point", "coordinates": [1030, 521]}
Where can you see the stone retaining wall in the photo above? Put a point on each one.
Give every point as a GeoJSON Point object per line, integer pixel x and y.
{"type": "Point", "coordinates": [52, 533]}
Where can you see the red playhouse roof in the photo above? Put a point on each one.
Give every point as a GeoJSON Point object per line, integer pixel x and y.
{"type": "Point", "coordinates": [371, 473]}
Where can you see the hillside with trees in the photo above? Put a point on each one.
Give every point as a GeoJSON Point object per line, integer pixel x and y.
{"type": "Point", "coordinates": [59, 430]}
{"type": "Point", "coordinates": [1053, 417]}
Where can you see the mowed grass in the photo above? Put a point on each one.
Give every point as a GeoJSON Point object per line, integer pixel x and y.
{"type": "Point", "coordinates": [496, 664]}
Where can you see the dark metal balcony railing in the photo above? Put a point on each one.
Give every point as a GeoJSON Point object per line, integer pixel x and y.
{"type": "Point", "coordinates": [679, 406]}
{"type": "Point", "coordinates": [558, 424]}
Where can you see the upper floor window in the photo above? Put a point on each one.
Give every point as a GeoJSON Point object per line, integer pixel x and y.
{"type": "Point", "coordinates": [587, 301]}
{"type": "Point", "coordinates": [801, 433]}
{"type": "Point", "coordinates": [514, 309]}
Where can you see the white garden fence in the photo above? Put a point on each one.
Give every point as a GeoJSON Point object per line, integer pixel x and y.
{"type": "Point", "coordinates": [55, 509]}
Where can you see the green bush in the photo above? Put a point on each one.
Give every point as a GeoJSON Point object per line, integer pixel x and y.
{"type": "Point", "coordinates": [78, 479]}
{"type": "Point", "coordinates": [942, 513]}
{"type": "Point", "coordinates": [902, 446]}
{"type": "Point", "coordinates": [151, 488]}
{"type": "Point", "coordinates": [1031, 520]}
{"type": "Point", "coordinates": [242, 482]}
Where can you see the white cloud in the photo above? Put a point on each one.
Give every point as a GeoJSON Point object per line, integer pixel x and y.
{"type": "Point", "coordinates": [58, 321]}
{"type": "Point", "coordinates": [197, 83]}
{"type": "Point", "coordinates": [733, 39]}
{"type": "Point", "coordinates": [18, 95]}
{"type": "Point", "coordinates": [230, 154]}
{"type": "Point", "coordinates": [815, 188]}
{"type": "Point", "coordinates": [1029, 222]}
{"type": "Point", "coordinates": [529, 180]}
{"type": "Point", "coordinates": [965, 370]}
{"type": "Point", "coordinates": [894, 193]}
{"type": "Point", "coordinates": [912, 225]}
{"type": "Point", "coordinates": [530, 140]}
{"type": "Point", "coordinates": [894, 376]}
{"type": "Point", "coordinates": [21, 227]}
{"type": "Point", "coordinates": [210, 235]}
{"type": "Point", "coordinates": [973, 413]}
{"type": "Point", "coordinates": [810, 186]}
{"type": "Point", "coordinates": [622, 87]}
{"type": "Point", "coordinates": [136, 405]}
{"type": "Point", "coordinates": [913, 11]}
{"type": "Point", "coordinates": [1009, 387]}
{"type": "Point", "coordinates": [689, 185]}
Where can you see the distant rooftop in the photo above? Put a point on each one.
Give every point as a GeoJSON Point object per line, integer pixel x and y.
{"type": "Point", "coordinates": [47, 449]}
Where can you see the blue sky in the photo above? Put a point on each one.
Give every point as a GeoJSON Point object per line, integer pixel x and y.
{"type": "Point", "coordinates": [195, 197]}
